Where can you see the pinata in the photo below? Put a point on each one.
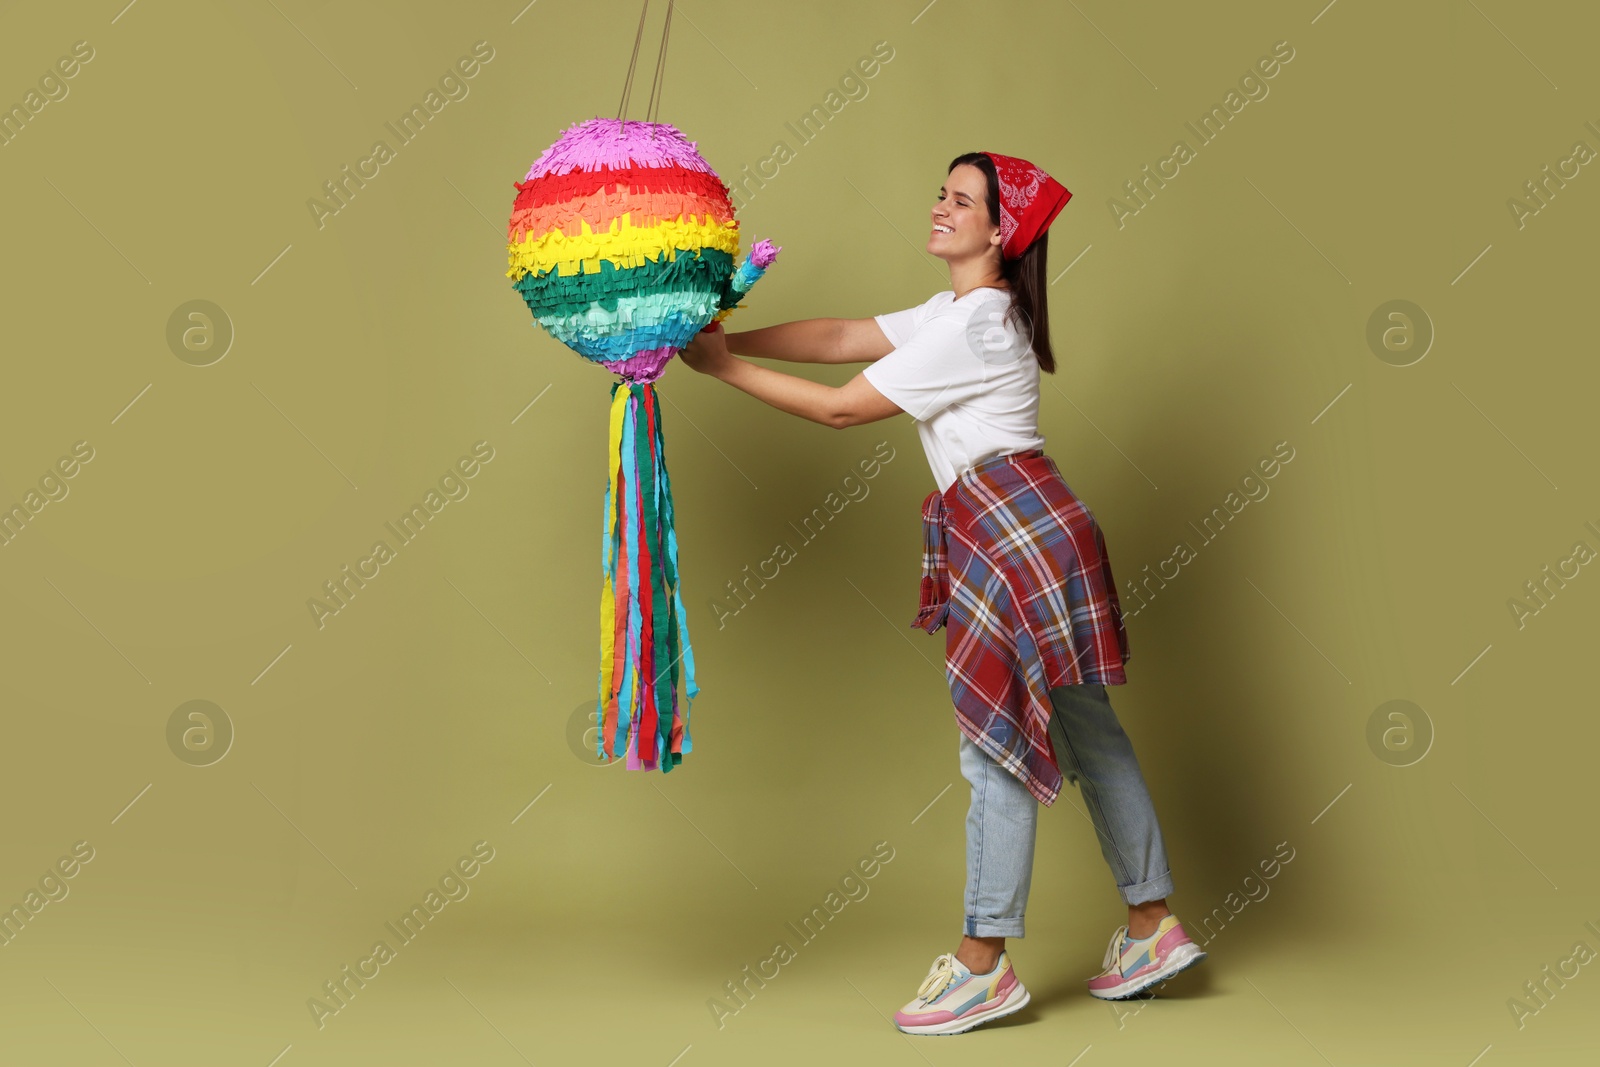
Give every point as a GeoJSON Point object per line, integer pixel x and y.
{"type": "Point", "coordinates": [622, 242]}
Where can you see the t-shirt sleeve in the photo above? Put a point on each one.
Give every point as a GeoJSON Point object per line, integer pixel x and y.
{"type": "Point", "coordinates": [931, 368]}
{"type": "Point", "coordinates": [898, 325]}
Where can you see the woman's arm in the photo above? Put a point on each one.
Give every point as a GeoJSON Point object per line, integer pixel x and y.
{"type": "Point", "coordinates": [851, 404]}
{"type": "Point", "coordinates": [814, 341]}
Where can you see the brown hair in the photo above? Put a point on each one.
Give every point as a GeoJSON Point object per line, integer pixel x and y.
{"type": "Point", "coordinates": [1025, 275]}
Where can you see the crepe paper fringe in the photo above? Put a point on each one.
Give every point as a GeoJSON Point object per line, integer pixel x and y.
{"type": "Point", "coordinates": [635, 318]}
{"type": "Point", "coordinates": [560, 201]}
{"type": "Point", "coordinates": [645, 181]}
{"type": "Point", "coordinates": [644, 629]}
{"type": "Point", "coordinates": [622, 243]}
{"type": "Point", "coordinates": [602, 142]}
{"type": "Point", "coordinates": [762, 253]}
{"type": "Point", "coordinates": [595, 237]}
{"type": "Point", "coordinates": [706, 271]}
{"type": "Point", "coordinates": [645, 365]}
{"type": "Point", "coordinates": [676, 333]}
{"type": "Point", "coordinates": [599, 210]}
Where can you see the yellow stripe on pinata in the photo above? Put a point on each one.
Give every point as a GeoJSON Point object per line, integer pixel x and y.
{"type": "Point", "coordinates": [622, 244]}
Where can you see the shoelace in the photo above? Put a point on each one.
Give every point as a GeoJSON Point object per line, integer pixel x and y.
{"type": "Point", "coordinates": [1114, 950]}
{"type": "Point", "coordinates": [939, 977]}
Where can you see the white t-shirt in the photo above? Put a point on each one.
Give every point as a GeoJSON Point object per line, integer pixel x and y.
{"type": "Point", "coordinates": [966, 374]}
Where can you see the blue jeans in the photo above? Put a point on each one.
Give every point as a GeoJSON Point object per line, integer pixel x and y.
{"type": "Point", "coordinates": [1093, 753]}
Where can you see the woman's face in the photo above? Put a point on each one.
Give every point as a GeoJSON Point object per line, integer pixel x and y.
{"type": "Point", "coordinates": [961, 227]}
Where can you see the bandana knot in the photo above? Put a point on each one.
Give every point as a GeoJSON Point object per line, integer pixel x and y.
{"type": "Point", "coordinates": [1029, 201]}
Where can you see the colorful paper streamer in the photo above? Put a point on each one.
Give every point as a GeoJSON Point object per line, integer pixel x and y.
{"type": "Point", "coordinates": [622, 242]}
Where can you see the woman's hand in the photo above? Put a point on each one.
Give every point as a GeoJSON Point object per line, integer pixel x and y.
{"type": "Point", "coordinates": [708, 352]}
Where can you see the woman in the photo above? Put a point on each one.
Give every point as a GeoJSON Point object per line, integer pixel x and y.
{"type": "Point", "coordinates": [1015, 568]}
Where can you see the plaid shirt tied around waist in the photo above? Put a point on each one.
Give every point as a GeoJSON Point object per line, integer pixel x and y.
{"type": "Point", "coordinates": [1015, 568]}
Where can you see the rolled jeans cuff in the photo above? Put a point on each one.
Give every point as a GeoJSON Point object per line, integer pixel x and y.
{"type": "Point", "coordinates": [1158, 888]}
{"type": "Point", "coordinates": [976, 927]}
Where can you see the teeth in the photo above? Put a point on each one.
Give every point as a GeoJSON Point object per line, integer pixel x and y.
{"type": "Point", "coordinates": [942, 229]}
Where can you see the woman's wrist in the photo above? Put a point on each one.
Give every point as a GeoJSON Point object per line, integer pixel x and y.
{"type": "Point", "coordinates": [725, 370]}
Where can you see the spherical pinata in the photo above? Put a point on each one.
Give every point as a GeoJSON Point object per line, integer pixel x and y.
{"type": "Point", "coordinates": [598, 241]}
{"type": "Point", "coordinates": [622, 243]}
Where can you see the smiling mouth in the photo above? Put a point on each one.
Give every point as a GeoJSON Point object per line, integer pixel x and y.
{"type": "Point", "coordinates": [939, 228]}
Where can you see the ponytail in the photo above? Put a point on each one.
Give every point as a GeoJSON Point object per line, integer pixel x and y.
{"type": "Point", "coordinates": [1026, 275]}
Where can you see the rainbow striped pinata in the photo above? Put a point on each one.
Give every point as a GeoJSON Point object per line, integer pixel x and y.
{"type": "Point", "coordinates": [622, 242]}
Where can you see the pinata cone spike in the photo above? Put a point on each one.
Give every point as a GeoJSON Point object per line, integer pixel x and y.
{"type": "Point", "coordinates": [622, 242]}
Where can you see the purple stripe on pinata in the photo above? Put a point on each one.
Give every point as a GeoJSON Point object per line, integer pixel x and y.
{"type": "Point", "coordinates": [643, 366]}
{"type": "Point", "coordinates": [602, 142]}
{"type": "Point", "coordinates": [763, 252]}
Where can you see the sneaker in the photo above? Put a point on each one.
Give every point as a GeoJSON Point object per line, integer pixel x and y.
{"type": "Point", "coordinates": [952, 999]}
{"type": "Point", "coordinates": [1134, 966]}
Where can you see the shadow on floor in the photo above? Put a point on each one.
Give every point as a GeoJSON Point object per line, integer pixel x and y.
{"type": "Point", "coordinates": [1193, 983]}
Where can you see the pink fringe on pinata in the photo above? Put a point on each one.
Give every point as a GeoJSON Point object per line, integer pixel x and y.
{"type": "Point", "coordinates": [763, 252]}
{"type": "Point", "coordinates": [643, 366]}
{"type": "Point", "coordinates": [601, 142]}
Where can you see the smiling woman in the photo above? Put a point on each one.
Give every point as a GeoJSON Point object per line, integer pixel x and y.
{"type": "Point", "coordinates": [1014, 567]}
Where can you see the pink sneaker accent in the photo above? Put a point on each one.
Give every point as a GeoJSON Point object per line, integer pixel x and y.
{"type": "Point", "coordinates": [1145, 963]}
{"type": "Point", "coordinates": [1172, 939]}
{"type": "Point", "coordinates": [952, 1000]}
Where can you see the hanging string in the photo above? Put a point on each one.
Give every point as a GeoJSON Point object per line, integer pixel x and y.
{"type": "Point", "coordinates": [661, 70]}
{"type": "Point", "coordinates": [627, 86]}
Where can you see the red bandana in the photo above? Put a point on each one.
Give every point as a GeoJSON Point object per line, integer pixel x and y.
{"type": "Point", "coordinates": [1029, 201]}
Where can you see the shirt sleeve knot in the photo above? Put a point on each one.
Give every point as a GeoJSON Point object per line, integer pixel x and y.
{"type": "Point", "coordinates": [933, 602]}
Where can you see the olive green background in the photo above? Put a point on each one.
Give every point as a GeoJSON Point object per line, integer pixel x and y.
{"type": "Point", "coordinates": [437, 709]}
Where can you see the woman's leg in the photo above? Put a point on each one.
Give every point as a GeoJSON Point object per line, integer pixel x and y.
{"type": "Point", "coordinates": [1094, 753]}
{"type": "Point", "coordinates": [1001, 821]}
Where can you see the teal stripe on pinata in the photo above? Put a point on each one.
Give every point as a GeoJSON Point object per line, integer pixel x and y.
{"type": "Point", "coordinates": [746, 276]}
{"type": "Point", "coordinates": [630, 313]}
{"type": "Point", "coordinates": [676, 332]}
